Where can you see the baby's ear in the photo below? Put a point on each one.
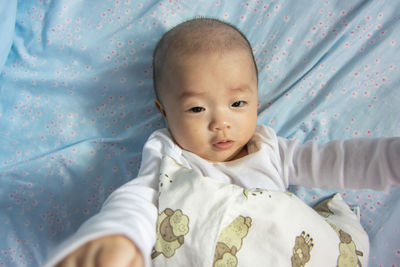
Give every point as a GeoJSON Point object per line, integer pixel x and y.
{"type": "Point", "coordinates": [160, 107]}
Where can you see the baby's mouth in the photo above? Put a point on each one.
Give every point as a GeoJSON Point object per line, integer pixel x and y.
{"type": "Point", "coordinates": [223, 145]}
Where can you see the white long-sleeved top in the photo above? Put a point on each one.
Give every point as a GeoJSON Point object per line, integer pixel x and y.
{"type": "Point", "coordinates": [272, 163]}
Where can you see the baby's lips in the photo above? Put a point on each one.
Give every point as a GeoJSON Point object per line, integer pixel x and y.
{"type": "Point", "coordinates": [223, 145]}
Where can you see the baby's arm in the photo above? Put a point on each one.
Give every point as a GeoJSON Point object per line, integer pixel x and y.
{"type": "Point", "coordinates": [355, 163]}
{"type": "Point", "coordinates": [108, 251]}
{"type": "Point", "coordinates": [129, 211]}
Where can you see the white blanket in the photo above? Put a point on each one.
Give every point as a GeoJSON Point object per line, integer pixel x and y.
{"type": "Point", "coordinates": [203, 222]}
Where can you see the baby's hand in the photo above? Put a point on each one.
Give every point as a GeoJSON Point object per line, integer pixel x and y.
{"type": "Point", "coordinates": [112, 250]}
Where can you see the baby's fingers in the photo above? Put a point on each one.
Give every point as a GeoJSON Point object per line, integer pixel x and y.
{"type": "Point", "coordinates": [109, 251]}
{"type": "Point", "coordinates": [122, 253]}
{"type": "Point", "coordinates": [75, 259]}
{"type": "Point", "coordinates": [116, 259]}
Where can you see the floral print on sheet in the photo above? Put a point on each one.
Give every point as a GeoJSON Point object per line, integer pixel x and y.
{"type": "Point", "coordinates": [76, 101]}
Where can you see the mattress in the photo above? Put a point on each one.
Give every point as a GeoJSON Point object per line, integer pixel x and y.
{"type": "Point", "coordinates": [76, 101]}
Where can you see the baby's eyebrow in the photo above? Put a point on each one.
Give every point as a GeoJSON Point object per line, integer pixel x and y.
{"type": "Point", "coordinates": [188, 94]}
{"type": "Point", "coordinates": [241, 89]}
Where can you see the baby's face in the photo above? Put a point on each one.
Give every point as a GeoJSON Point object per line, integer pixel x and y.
{"type": "Point", "coordinates": [209, 102]}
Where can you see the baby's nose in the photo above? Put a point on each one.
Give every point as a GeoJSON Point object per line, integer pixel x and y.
{"type": "Point", "coordinates": [220, 123]}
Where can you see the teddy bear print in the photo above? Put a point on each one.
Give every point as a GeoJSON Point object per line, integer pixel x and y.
{"type": "Point", "coordinates": [164, 177]}
{"type": "Point", "coordinates": [172, 226]}
{"type": "Point", "coordinates": [348, 250]}
{"type": "Point", "coordinates": [230, 242]}
{"type": "Point", "coordinates": [255, 192]}
{"type": "Point", "coordinates": [323, 209]}
{"type": "Point", "coordinates": [302, 250]}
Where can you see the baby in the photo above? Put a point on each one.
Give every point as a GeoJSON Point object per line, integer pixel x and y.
{"type": "Point", "coordinates": [212, 186]}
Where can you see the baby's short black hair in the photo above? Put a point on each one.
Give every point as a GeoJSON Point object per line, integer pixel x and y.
{"type": "Point", "coordinates": [193, 36]}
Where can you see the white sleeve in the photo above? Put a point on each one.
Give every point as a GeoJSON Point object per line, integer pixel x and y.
{"type": "Point", "coordinates": [131, 210]}
{"type": "Point", "coordinates": [372, 163]}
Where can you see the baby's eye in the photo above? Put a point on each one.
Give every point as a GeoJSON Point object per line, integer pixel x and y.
{"type": "Point", "coordinates": [238, 104]}
{"type": "Point", "coordinates": [196, 109]}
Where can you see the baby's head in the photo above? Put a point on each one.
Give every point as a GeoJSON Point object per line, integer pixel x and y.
{"type": "Point", "coordinates": [205, 79]}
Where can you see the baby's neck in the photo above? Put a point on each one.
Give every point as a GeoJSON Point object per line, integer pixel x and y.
{"type": "Point", "coordinates": [242, 153]}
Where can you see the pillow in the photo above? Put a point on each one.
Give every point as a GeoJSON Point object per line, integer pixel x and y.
{"type": "Point", "coordinates": [204, 222]}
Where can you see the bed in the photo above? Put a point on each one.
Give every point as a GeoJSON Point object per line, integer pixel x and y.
{"type": "Point", "coordinates": [76, 101]}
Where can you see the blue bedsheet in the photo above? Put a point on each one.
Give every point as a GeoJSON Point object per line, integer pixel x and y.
{"type": "Point", "coordinates": [76, 101]}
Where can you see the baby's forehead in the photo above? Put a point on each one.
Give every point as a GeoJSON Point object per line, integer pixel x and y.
{"type": "Point", "coordinates": [191, 71]}
{"type": "Point", "coordinates": [181, 57]}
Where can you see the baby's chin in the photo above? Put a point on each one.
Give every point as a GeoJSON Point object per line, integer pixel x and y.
{"type": "Point", "coordinates": [224, 157]}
